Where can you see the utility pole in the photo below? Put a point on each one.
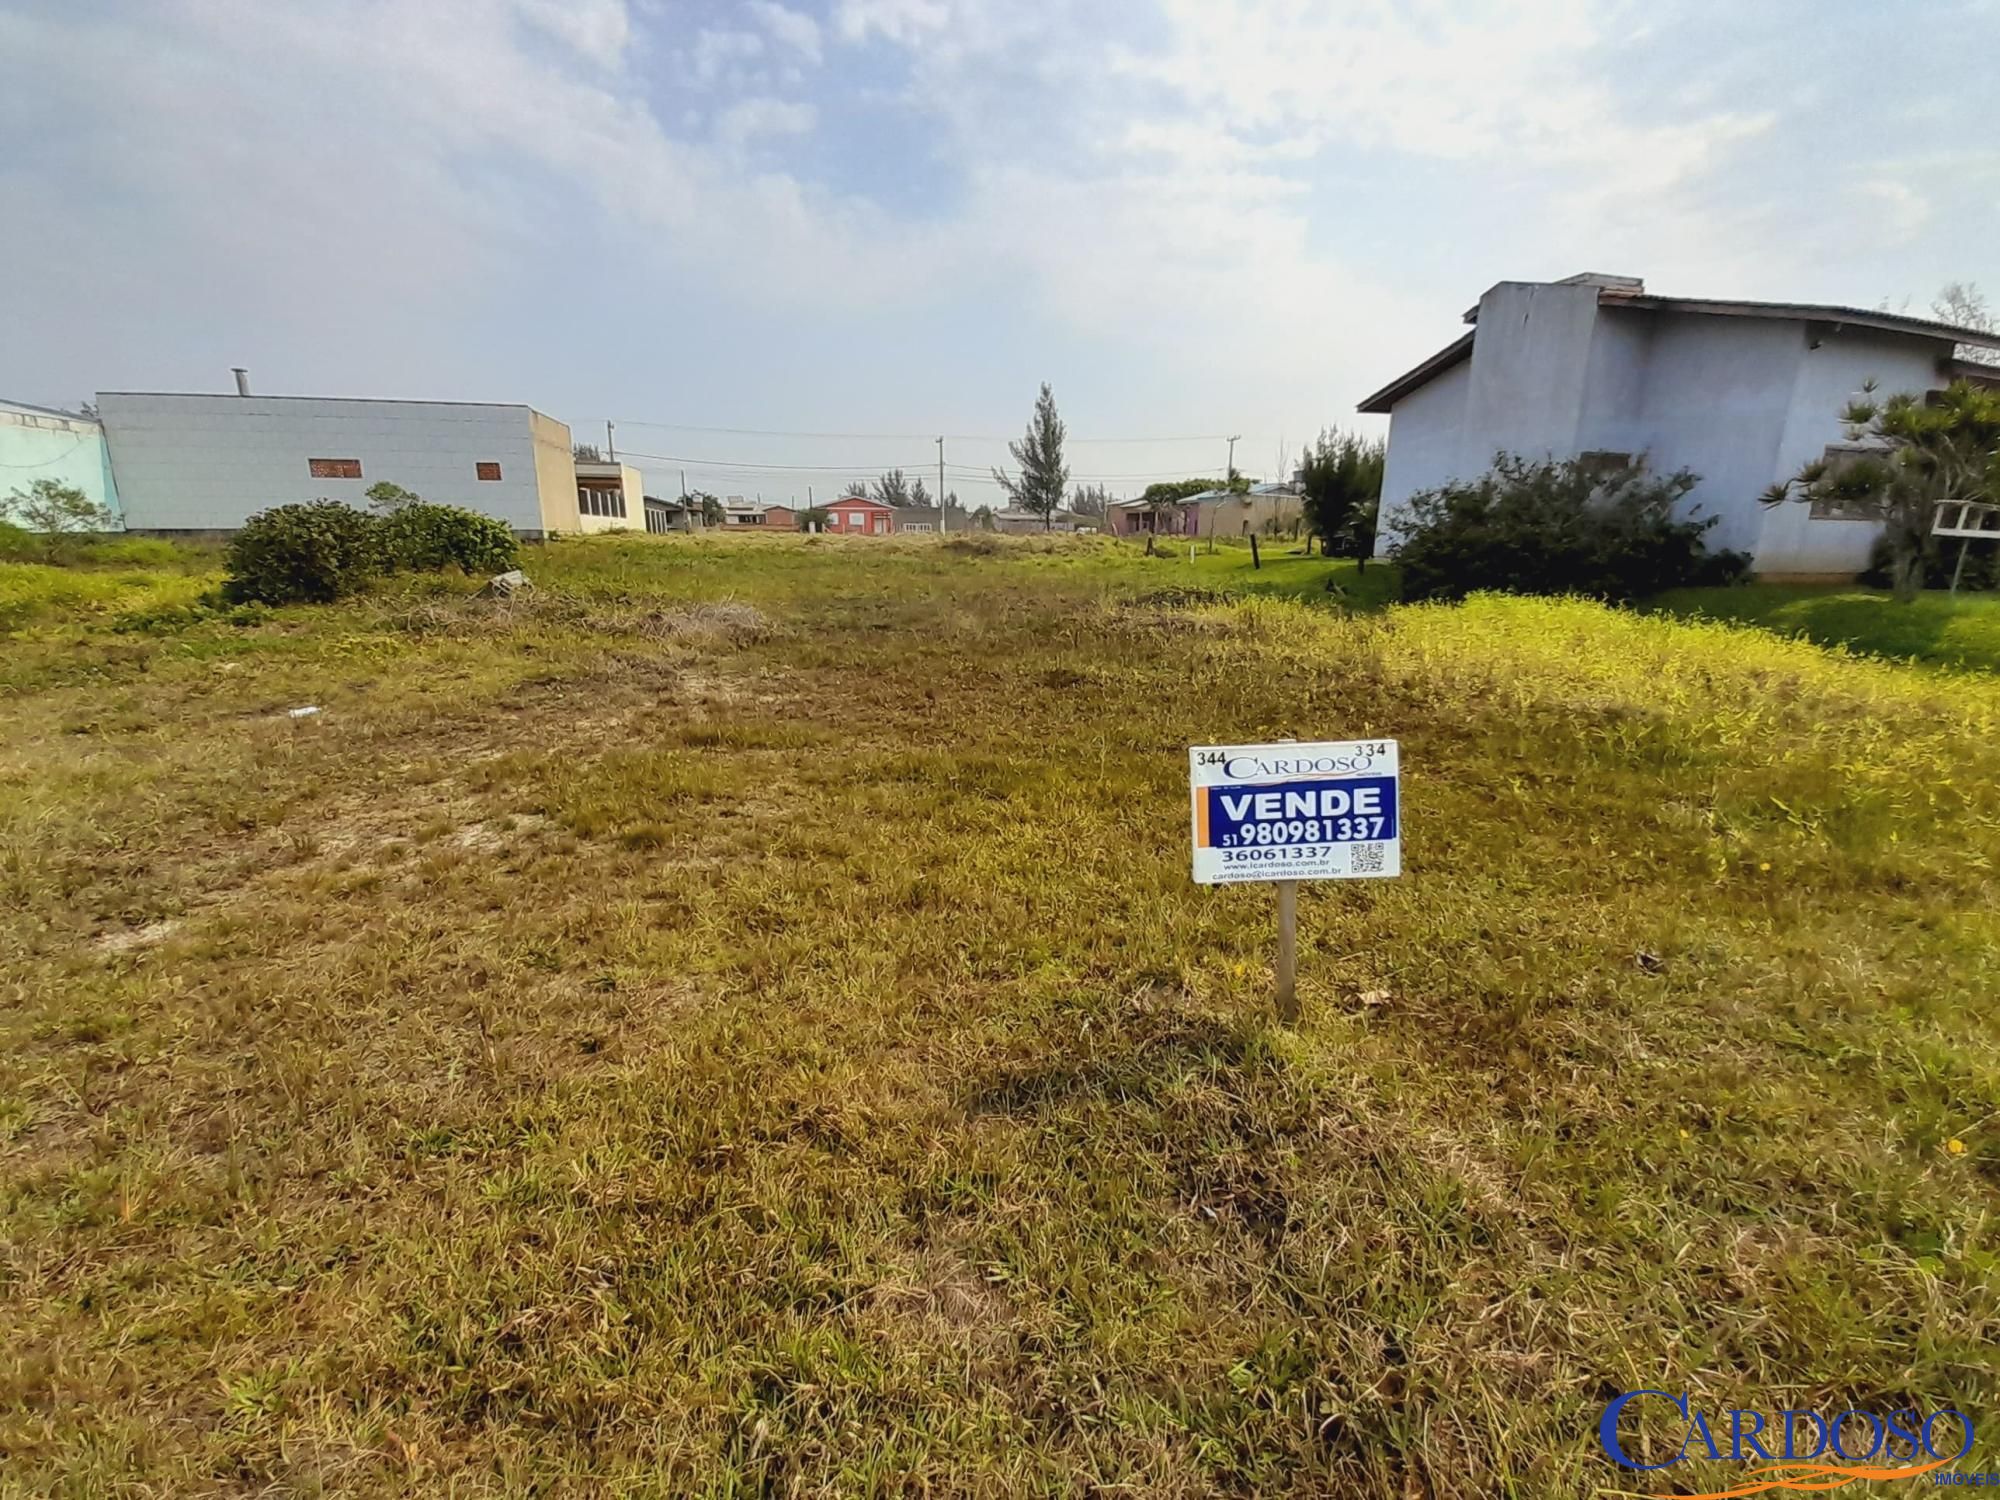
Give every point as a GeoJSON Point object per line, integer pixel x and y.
{"type": "Point", "coordinates": [940, 443]}
{"type": "Point", "coordinates": [1230, 472]}
{"type": "Point", "coordinates": [610, 444]}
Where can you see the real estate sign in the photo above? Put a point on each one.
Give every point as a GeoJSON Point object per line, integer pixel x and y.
{"type": "Point", "coordinates": [1325, 811]}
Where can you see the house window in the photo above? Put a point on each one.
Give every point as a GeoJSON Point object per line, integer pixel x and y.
{"type": "Point", "coordinates": [334, 468]}
{"type": "Point", "coordinates": [1601, 463]}
{"type": "Point", "coordinates": [1838, 459]}
{"type": "Point", "coordinates": [486, 470]}
{"type": "Point", "coordinates": [600, 502]}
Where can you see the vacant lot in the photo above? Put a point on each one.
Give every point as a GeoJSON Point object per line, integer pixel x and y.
{"type": "Point", "coordinates": [740, 1023]}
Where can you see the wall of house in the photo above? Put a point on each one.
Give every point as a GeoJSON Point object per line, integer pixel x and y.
{"type": "Point", "coordinates": [70, 450]}
{"type": "Point", "coordinates": [1530, 364]}
{"type": "Point", "coordinates": [555, 476]}
{"type": "Point", "coordinates": [203, 463]}
{"type": "Point", "coordinates": [1425, 432]}
{"type": "Point", "coordinates": [852, 517]}
{"type": "Point", "coordinates": [1715, 395]}
{"type": "Point", "coordinates": [1615, 382]}
{"type": "Point", "coordinates": [1832, 372]}
{"type": "Point", "coordinates": [631, 485]}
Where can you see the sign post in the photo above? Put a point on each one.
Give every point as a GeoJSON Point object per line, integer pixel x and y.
{"type": "Point", "coordinates": [1290, 812]}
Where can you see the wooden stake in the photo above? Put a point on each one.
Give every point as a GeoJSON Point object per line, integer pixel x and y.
{"type": "Point", "coordinates": [1288, 951]}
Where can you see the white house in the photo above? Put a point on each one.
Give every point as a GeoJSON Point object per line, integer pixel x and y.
{"type": "Point", "coordinates": [206, 463]}
{"type": "Point", "coordinates": [1740, 393]}
{"type": "Point", "coordinates": [40, 442]}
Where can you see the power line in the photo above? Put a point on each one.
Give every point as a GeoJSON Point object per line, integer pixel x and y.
{"type": "Point", "coordinates": [891, 437]}
{"type": "Point", "coordinates": [966, 473]}
{"type": "Point", "coordinates": [1192, 472]}
{"type": "Point", "coordinates": [733, 463]}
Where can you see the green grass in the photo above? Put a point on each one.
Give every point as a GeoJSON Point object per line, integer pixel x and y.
{"type": "Point", "coordinates": [1936, 628]}
{"type": "Point", "coordinates": [740, 1023]}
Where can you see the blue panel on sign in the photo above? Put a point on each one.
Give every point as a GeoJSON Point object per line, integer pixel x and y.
{"type": "Point", "coordinates": [1342, 810]}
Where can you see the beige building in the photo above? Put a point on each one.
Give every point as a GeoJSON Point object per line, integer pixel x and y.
{"type": "Point", "coordinates": [1262, 510]}
{"type": "Point", "coordinates": [610, 496]}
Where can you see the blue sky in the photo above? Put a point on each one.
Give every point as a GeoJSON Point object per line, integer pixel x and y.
{"type": "Point", "coordinates": [897, 217]}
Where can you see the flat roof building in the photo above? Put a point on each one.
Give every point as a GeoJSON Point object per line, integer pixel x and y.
{"type": "Point", "coordinates": [195, 463]}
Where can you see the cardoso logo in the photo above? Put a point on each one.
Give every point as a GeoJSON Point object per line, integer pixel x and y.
{"type": "Point", "coordinates": [1250, 767]}
{"type": "Point", "coordinates": [1801, 1450]}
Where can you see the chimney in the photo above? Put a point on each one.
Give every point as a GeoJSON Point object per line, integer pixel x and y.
{"type": "Point", "coordinates": [242, 379]}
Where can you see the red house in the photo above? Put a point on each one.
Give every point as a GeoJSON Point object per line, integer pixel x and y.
{"type": "Point", "coordinates": [855, 515]}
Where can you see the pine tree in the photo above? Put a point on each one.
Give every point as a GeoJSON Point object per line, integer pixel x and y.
{"type": "Point", "coordinates": [1044, 475]}
{"type": "Point", "coordinates": [892, 489]}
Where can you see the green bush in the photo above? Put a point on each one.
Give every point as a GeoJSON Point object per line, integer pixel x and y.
{"type": "Point", "coordinates": [421, 537]}
{"type": "Point", "coordinates": [1981, 573]}
{"type": "Point", "coordinates": [1558, 528]}
{"type": "Point", "coordinates": [315, 552]}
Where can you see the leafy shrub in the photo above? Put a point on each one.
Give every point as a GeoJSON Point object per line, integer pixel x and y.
{"type": "Point", "coordinates": [1940, 557]}
{"type": "Point", "coordinates": [422, 537]}
{"type": "Point", "coordinates": [315, 552]}
{"type": "Point", "coordinates": [1558, 528]}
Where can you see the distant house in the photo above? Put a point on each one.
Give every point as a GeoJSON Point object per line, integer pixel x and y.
{"type": "Point", "coordinates": [1262, 509]}
{"type": "Point", "coordinates": [1015, 520]}
{"type": "Point", "coordinates": [610, 496]}
{"type": "Point", "coordinates": [1742, 394]}
{"type": "Point", "coordinates": [737, 511]}
{"type": "Point", "coordinates": [857, 515]}
{"type": "Point", "coordinates": [919, 518]}
{"type": "Point", "coordinates": [1150, 518]}
{"type": "Point", "coordinates": [39, 442]}
{"type": "Point", "coordinates": [780, 518]}
{"type": "Point", "coordinates": [671, 515]}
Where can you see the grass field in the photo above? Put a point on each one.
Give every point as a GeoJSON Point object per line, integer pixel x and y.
{"type": "Point", "coordinates": [740, 1023]}
{"type": "Point", "coordinates": [1963, 632]}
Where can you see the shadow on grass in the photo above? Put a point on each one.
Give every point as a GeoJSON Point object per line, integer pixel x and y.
{"type": "Point", "coordinates": [1962, 632]}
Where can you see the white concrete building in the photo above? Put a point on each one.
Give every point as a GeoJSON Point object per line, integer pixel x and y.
{"type": "Point", "coordinates": [39, 442]}
{"type": "Point", "coordinates": [1740, 393]}
{"type": "Point", "coordinates": [206, 463]}
{"type": "Point", "coordinates": [610, 496]}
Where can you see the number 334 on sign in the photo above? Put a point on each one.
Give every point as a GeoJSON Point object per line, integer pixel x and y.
{"type": "Point", "coordinates": [1326, 811]}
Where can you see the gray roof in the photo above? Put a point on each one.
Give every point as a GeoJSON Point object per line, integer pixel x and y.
{"type": "Point", "coordinates": [1460, 348]}
{"type": "Point", "coordinates": [44, 411]}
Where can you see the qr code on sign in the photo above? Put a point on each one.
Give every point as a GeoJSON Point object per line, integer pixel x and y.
{"type": "Point", "coordinates": [1370, 859]}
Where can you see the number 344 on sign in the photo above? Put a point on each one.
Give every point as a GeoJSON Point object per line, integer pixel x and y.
{"type": "Point", "coordinates": [1325, 811]}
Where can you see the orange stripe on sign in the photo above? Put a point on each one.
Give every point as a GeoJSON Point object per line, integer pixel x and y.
{"type": "Point", "coordinates": [1201, 795]}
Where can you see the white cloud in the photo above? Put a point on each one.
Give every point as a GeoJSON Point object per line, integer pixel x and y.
{"type": "Point", "coordinates": [791, 28]}
{"type": "Point", "coordinates": [718, 52]}
{"type": "Point", "coordinates": [905, 21]}
{"type": "Point", "coordinates": [750, 118]}
{"type": "Point", "coordinates": [599, 30]}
